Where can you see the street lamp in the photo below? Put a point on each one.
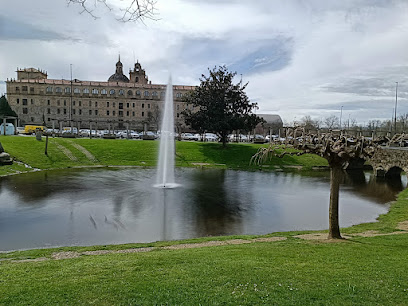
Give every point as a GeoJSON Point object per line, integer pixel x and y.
{"type": "Point", "coordinates": [341, 114]}
{"type": "Point", "coordinates": [395, 109]}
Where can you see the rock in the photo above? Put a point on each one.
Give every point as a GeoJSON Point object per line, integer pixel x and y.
{"type": "Point", "coordinates": [5, 159]}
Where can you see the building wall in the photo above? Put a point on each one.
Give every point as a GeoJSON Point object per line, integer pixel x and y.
{"type": "Point", "coordinates": [82, 102]}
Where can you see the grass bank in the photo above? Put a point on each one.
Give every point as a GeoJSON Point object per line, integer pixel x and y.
{"type": "Point", "coordinates": [66, 153]}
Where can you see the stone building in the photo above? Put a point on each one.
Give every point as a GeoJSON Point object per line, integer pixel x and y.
{"type": "Point", "coordinates": [118, 103]}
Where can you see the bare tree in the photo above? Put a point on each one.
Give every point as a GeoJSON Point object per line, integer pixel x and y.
{"type": "Point", "coordinates": [338, 150]}
{"type": "Point", "coordinates": [331, 122]}
{"type": "Point", "coordinates": [128, 10]}
{"type": "Point", "coordinates": [309, 124]}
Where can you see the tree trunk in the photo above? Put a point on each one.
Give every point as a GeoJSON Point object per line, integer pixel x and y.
{"type": "Point", "coordinates": [334, 228]}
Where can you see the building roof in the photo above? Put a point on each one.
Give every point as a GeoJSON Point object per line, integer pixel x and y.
{"type": "Point", "coordinates": [271, 118]}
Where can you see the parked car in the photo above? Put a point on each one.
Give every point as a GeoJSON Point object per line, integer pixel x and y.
{"type": "Point", "coordinates": [258, 139]}
{"type": "Point", "coordinates": [149, 135]}
{"type": "Point", "coordinates": [189, 136]}
{"type": "Point", "coordinates": [210, 137]}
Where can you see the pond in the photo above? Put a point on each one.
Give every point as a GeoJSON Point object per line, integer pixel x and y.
{"type": "Point", "coordinates": [113, 206]}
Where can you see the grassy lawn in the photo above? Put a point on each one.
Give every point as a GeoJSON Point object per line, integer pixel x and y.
{"type": "Point", "coordinates": [365, 271]}
{"type": "Point", "coordinates": [140, 153]}
{"type": "Point", "coordinates": [360, 270]}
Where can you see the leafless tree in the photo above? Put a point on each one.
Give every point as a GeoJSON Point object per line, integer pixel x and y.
{"type": "Point", "coordinates": [338, 150]}
{"type": "Point", "coordinates": [128, 10]}
{"type": "Point", "coordinates": [331, 122]}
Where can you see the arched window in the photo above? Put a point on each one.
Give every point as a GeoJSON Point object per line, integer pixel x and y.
{"type": "Point", "coordinates": [103, 91]}
{"type": "Point", "coordinates": [67, 90]}
{"type": "Point", "coordinates": [121, 92]}
{"type": "Point", "coordinates": [138, 92]}
{"type": "Point", "coordinates": [95, 91]}
{"type": "Point", "coordinates": [86, 91]}
{"type": "Point", "coordinates": [162, 93]}
{"type": "Point", "coordinates": [112, 92]}
{"type": "Point", "coordinates": [58, 89]}
{"type": "Point", "coordinates": [154, 94]}
{"type": "Point", "coordinates": [130, 93]}
{"type": "Point", "coordinates": [146, 93]}
{"type": "Point", "coordinates": [77, 90]}
{"type": "Point", "coordinates": [49, 89]}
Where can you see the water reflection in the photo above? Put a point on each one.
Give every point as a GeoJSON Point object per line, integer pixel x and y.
{"type": "Point", "coordinates": [102, 206]}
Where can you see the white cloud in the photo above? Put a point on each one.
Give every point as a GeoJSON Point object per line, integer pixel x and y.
{"type": "Point", "coordinates": [300, 57]}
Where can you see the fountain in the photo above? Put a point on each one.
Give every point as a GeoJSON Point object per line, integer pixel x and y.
{"type": "Point", "coordinates": [165, 169]}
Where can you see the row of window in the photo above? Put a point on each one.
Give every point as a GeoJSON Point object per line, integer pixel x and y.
{"type": "Point", "coordinates": [103, 91]}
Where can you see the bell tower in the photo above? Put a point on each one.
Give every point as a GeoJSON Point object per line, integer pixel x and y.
{"type": "Point", "coordinates": [138, 75]}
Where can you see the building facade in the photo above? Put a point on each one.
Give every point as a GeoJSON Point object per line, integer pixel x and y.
{"type": "Point", "coordinates": [121, 102]}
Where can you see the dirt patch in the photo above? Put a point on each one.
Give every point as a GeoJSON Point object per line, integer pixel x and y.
{"type": "Point", "coordinates": [65, 255]}
{"type": "Point", "coordinates": [403, 226]}
{"type": "Point", "coordinates": [84, 151]}
{"type": "Point", "coordinates": [269, 239]}
{"type": "Point", "coordinates": [321, 237]}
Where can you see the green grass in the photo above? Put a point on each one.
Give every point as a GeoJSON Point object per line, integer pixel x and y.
{"type": "Point", "coordinates": [143, 153]}
{"type": "Point", "coordinates": [364, 272]}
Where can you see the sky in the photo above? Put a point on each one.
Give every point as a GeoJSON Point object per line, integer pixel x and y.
{"type": "Point", "coordinates": [300, 58]}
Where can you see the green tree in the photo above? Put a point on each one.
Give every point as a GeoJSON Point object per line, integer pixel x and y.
{"type": "Point", "coordinates": [220, 106]}
{"type": "Point", "coordinates": [5, 109]}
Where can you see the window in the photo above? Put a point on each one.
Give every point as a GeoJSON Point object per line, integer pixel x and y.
{"type": "Point", "coordinates": [95, 91]}
{"type": "Point", "coordinates": [114, 104]}
{"type": "Point", "coordinates": [79, 103]}
{"type": "Point", "coordinates": [138, 93]}
{"type": "Point", "coordinates": [17, 88]}
{"type": "Point", "coordinates": [107, 113]}
{"type": "Point", "coordinates": [142, 105]}
{"type": "Point", "coordinates": [80, 111]}
{"type": "Point", "coordinates": [178, 95]}
{"type": "Point", "coordinates": [49, 89]}
{"type": "Point", "coordinates": [137, 78]}
{"type": "Point", "coordinates": [121, 92]}
{"type": "Point", "coordinates": [24, 101]}
{"type": "Point", "coordinates": [90, 112]}
{"type": "Point", "coordinates": [104, 91]}
{"type": "Point", "coordinates": [162, 93]}
{"type": "Point", "coordinates": [142, 114]}
{"type": "Point", "coordinates": [127, 105]}
{"type": "Point", "coordinates": [73, 111]}
{"type": "Point", "coordinates": [113, 113]}
{"type": "Point", "coordinates": [25, 88]}
{"type": "Point", "coordinates": [48, 110]}
{"type": "Point", "coordinates": [58, 111]}
{"type": "Point", "coordinates": [18, 101]}
{"type": "Point", "coordinates": [96, 104]}
{"type": "Point", "coordinates": [65, 102]}
{"type": "Point", "coordinates": [73, 103]}
{"type": "Point", "coordinates": [31, 89]}
{"type": "Point", "coordinates": [154, 94]}
{"type": "Point", "coordinates": [127, 113]}
{"type": "Point", "coordinates": [48, 102]}
{"type": "Point", "coordinates": [133, 114]}
{"type": "Point", "coordinates": [86, 91]}
{"type": "Point", "coordinates": [121, 105]}
{"type": "Point", "coordinates": [133, 104]}
{"type": "Point", "coordinates": [96, 112]}
{"type": "Point", "coordinates": [178, 107]}
{"type": "Point", "coordinates": [107, 104]}
{"type": "Point", "coordinates": [65, 111]}
{"type": "Point", "coordinates": [90, 103]}
{"type": "Point", "coordinates": [148, 105]}
{"type": "Point", "coordinates": [67, 90]}
{"type": "Point", "coordinates": [48, 119]}
{"type": "Point", "coordinates": [112, 92]}
{"type": "Point", "coordinates": [58, 102]}
{"type": "Point", "coordinates": [178, 115]}
{"type": "Point", "coordinates": [58, 89]}
{"type": "Point", "coordinates": [77, 90]}
{"type": "Point", "coordinates": [130, 93]}
{"type": "Point", "coordinates": [146, 93]}
{"type": "Point", "coordinates": [25, 110]}
{"type": "Point", "coordinates": [120, 113]}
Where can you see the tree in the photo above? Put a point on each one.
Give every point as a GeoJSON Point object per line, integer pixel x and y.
{"type": "Point", "coordinates": [338, 150]}
{"type": "Point", "coordinates": [219, 106]}
{"type": "Point", "coordinates": [309, 124]}
{"type": "Point", "coordinates": [5, 109]}
{"type": "Point", "coordinates": [154, 116]}
{"type": "Point", "coordinates": [331, 122]}
{"type": "Point", "coordinates": [129, 10]}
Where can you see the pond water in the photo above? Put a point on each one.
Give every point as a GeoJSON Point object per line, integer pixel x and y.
{"type": "Point", "coordinates": [112, 206]}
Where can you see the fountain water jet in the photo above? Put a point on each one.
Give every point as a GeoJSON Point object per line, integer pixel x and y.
{"type": "Point", "coordinates": [165, 169]}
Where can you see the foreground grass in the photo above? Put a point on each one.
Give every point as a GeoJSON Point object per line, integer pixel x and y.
{"type": "Point", "coordinates": [141, 153]}
{"type": "Point", "coordinates": [366, 271]}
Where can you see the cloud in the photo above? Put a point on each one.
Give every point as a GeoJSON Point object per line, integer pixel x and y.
{"type": "Point", "coordinates": [11, 29]}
